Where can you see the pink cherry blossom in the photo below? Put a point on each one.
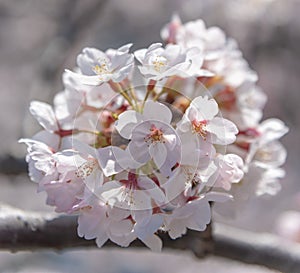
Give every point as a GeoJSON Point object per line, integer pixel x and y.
{"type": "Point", "coordinates": [138, 148]}
{"type": "Point", "coordinates": [195, 215]}
{"type": "Point", "coordinates": [200, 121]}
{"type": "Point", "coordinates": [229, 170]}
{"type": "Point", "coordinates": [151, 136]}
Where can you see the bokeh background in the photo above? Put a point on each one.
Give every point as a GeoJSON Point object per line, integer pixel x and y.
{"type": "Point", "coordinates": [40, 38]}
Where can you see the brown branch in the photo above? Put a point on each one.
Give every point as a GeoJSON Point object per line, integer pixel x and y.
{"type": "Point", "coordinates": [23, 230]}
{"type": "Point", "coordinates": [20, 230]}
{"type": "Point", "coordinates": [256, 248]}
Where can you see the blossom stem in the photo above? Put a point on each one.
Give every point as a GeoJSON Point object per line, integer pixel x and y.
{"type": "Point", "coordinates": [159, 94]}
{"type": "Point", "coordinates": [118, 88]}
{"type": "Point", "coordinates": [126, 85]}
{"type": "Point", "coordinates": [167, 88]}
{"type": "Point", "coordinates": [150, 88]}
{"type": "Point", "coordinates": [89, 132]}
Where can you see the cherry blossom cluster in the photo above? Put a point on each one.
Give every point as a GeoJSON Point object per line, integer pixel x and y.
{"type": "Point", "coordinates": [141, 142]}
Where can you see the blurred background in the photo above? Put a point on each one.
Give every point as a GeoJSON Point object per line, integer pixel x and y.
{"type": "Point", "coordinates": [40, 38]}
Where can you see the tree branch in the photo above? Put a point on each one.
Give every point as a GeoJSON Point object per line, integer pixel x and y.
{"type": "Point", "coordinates": [23, 230]}
{"type": "Point", "coordinates": [256, 248]}
{"type": "Point", "coordinates": [12, 165]}
{"type": "Point", "coordinates": [20, 230]}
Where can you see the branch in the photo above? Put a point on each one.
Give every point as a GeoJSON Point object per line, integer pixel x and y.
{"type": "Point", "coordinates": [256, 248]}
{"type": "Point", "coordinates": [20, 230]}
{"type": "Point", "coordinates": [12, 165]}
{"type": "Point", "coordinates": [23, 230]}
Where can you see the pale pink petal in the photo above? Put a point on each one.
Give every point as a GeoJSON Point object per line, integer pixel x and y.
{"type": "Point", "coordinates": [112, 193]}
{"type": "Point", "coordinates": [145, 229]}
{"type": "Point", "coordinates": [127, 121]}
{"type": "Point", "coordinates": [112, 160]}
{"type": "Point", "coordinates": [218, 196]}
{"type": "Point", "coordinates": [44, 114]}
{"type": "Point", "coordinates": [138, 153]}
{"type": "Point", "coordinates": [117, 214]}
{"type": "Point", "coordinates": [153, 242]}
{"type": "Point", "coordinates": [157, 111]}
{"type": "Point", "coordinates": [140, 54]}
{"type": "Point", "coordinates": [88, 59]}
{"type": "Point", "coordinates": [207, 107]}
{"type": "Point", "coordinates": [50, 139]}
{"type": "Point", "coordinates": [223, 131]}
{"type": "Point", "coordinates": [83, 79]}
{"type": "Point", "coordinates": [152, 189]}
{"type": "Point", "coordinates": [272, 129]}
{"type": "Point", "coordinates": [177, 228]}
{"type": "Point", "coordinates": [90, 221]}
{"type": "Point", "coordinates": [101, 239]}
{"type": "Point", "coordinates": [141, 200]}
{"type": "Point", "coordinates": [158, 152]}
{"type": "Point", "coordinates": [121, 227]}
{"type": "Point", "coordinates": [175, 185]}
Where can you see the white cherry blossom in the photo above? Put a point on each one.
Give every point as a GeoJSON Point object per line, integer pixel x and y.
{"type": "Point", "coordinates": [242, 105]}
{"type": "Point", "coordinates": [229, 170]}
{"type": "Point", "coordinates": [98, 67]}
{"type": "Point", "coordinates": [40, 160]}
{"type": "Point", "coordinates": [158, 62]}
{"type": "Point", "coordinates": [78, 98]}
{"type": "Point", "coordinates": [265, 148]}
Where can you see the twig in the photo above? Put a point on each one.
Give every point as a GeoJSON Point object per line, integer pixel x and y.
{"type": "Point", "coordinates": [256, 248]}
{"type": "Point", "coordinates": [20, 230]}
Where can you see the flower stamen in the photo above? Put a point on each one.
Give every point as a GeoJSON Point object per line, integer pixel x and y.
{"type": "Point", "coordinates": [159, 63]}
{"type": "Point", "coordinates": [156, 135]}
{"type": "Point", "coordinates": [199, 127]}
{"type": "Point", "coordinates": [86, 169]}
{"type": "Point", "coordinates": [101, 68]}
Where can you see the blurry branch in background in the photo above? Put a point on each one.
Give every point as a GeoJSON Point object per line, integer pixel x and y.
{"type": "Point", "coordinates": [22, 230]}
{"type": "Point", "coordinates": [256, 248]}
{"type": "Point", "coordinates": [12, 165]}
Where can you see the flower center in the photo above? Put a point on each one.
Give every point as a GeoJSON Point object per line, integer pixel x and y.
{"type": "Point", "coordinates": [199, 127]}
{"type": "Point", "coordinates": [159, 63]}
{"type": "Point", "coordinates": [264, 154]}
{"type": "Point", "coordinates": [130, 185]}
{"type": "Point", "coordinates": [86, 169]}
{"type": "Point", "coordinates": [156, 135]}
{"type": "Point", "coordinates": [101, 68]}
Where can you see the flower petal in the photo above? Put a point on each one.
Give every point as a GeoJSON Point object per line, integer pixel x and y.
{"type": "Point", "coordinates": [145, 229]}
{"type": "Point", "coordinates": [83, 79]}
{"type": "Point", "coordinates": [44, 114]}
{"type": "Point", "coordinates": [157, 111]}
{"type": "Point", "coordinates": [126, 122]}
{"type": "Point", "coordinates": [222, 131]}
{"type": "Point", "coordinates": [153, 242]}
{"type": "Point", "coordinates": [207, 107]}
{"type": "Point", "coordinates": [158, 152]}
